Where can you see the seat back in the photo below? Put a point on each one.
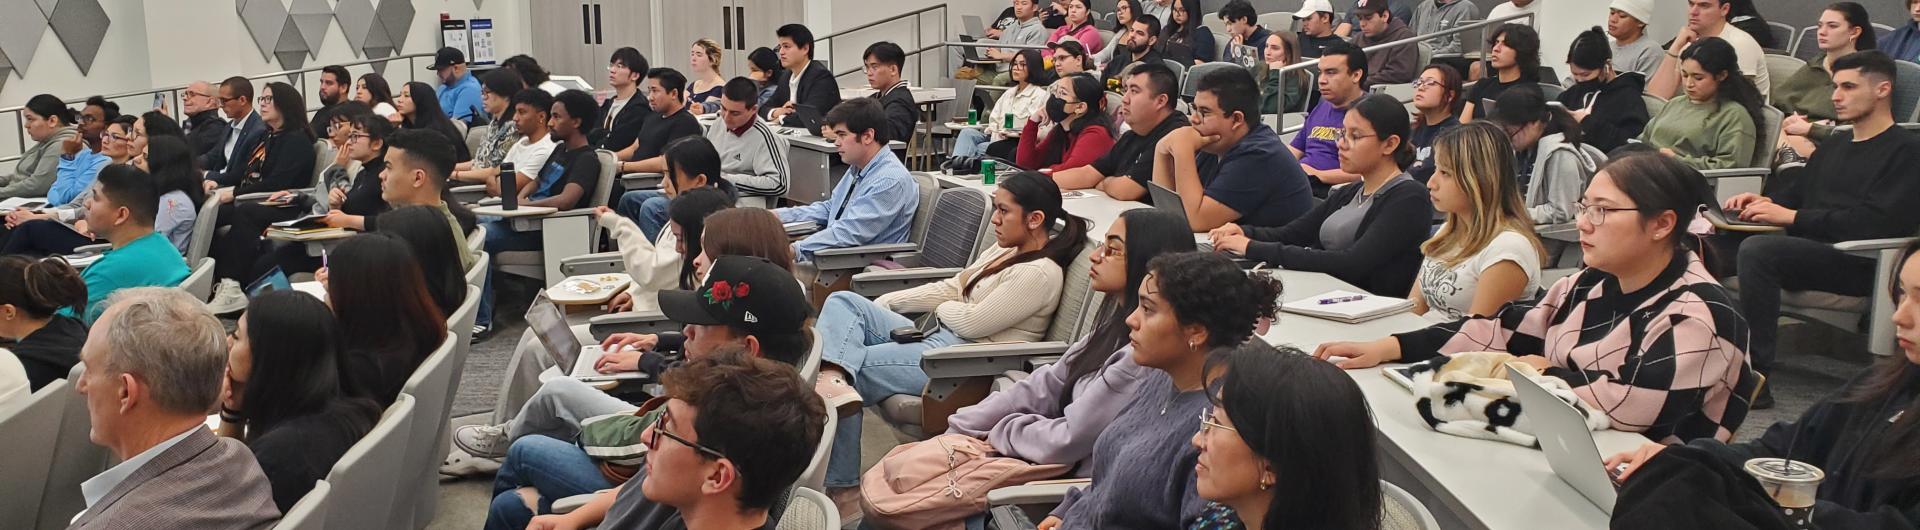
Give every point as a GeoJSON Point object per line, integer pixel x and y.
{"type": "Point", "coordinates": [1806, 47]}
{"type": "Point", "coordinates": [1179, 71]}
{"type": "Point", "coordinates": [461, 323]}
{"type": "Point", "coordinates": [810, 365]}
{"type": "Point", "coordinates": [929, 198]}
{"type": "Point", "coordinates": [1881, 29]}
{"type": "Point", "coordinates": [1275, 22]}
{"type": "Point", "coordinates": [29, 427]}
{"type": "Point", "coordinates": [1770, 134]}
{"type": "Point", "coordinates": [311, 512]}
{"type": "Point", "coordinates": [477, 239]}
{"type": "Point", "coordinates": [815, 476]}
{"type": "Point", "coordinates": [1426, 56]}
{"type": "Point", "coordinates": [1113, 110]}
{"type": "Point", "coordinates": [1399, 510]}
{"type": "Point", "coordinates": [476, 136]}
{"type": "Point", "coordinates": [1077, 300]}
{"type": "Point", "coordinates": [1551, 91]}
{"type": "Point", "coordinates": [811, 510]}
{"type": "Point", "coordinates": [1200, 71]}
{"type": "Point", "coordinates": [1906, 90]}
{"type": "Point", "coordinates": [1218, 26]}
{"type": "Point", "coordinates": [1654, 104]}
{"type": "Point", "coordinates": [201, 242]}
{"type": "Point", "coordinates": [365, 474]}
{"type": "Point", "coordinates": [75, 459]}
{"type": "Point", "coordinates": [478, 274]}
{"type": "Point", "coordinates": [954, 232]}
{"type": "Point", "coordinates": [1782, 37]}
{"type": "Point", "coordinates": [1780, 67]}
{"type": "Point", "coordinates": [603, 191]}
{"type": "Point", "coordinates": [418, 493]}
{"type": "Point", "coordinates": [323, 152]}
{"type": "Point", "coordinates": [199, 283]}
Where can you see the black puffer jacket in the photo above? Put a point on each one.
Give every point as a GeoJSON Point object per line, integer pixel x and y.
{"type": "Point", "coordinates": [1618, 111]}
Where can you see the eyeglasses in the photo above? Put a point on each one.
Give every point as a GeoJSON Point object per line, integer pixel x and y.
{"type": "Point", "coordinates": [1424, 83]}
{"type": "Point", "coordinates": [660, 429]}
{"type": "Point", "coordinates": [266, 98]}
{"type": "Point", "coordinates": [1351, 137]}
{"type": "Point", "coordinates": [358, 136]}
{"type": "Point", "coordinates": [117, 137]}
{"type": "Point", "coordinates": [1597, 215]}
{"type": "Point", "coordinates": [225, 100]}
{"type": "Point", "coordinates": [1111, 251]}
{"type": "Point", "coordinates": [1208, 423]}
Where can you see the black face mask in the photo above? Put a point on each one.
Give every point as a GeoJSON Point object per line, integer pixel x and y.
{"type": "Point", "coordinates": [1056, 109]}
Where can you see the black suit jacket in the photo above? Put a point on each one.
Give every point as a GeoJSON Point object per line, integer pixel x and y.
{"type": "Point", "coordinates": [206, 134]}
{"type": "Point", "coordinates": [223, 168]}
{"type": "Point", "coordinates": [818, 94]}
{"type": "Point", "coordinates": [626, 126]}
{"type": "Point", "coordinates": [902, 112]}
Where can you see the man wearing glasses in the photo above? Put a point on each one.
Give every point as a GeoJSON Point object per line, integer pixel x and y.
{"type": "Point", "coordinates": [1229, 167]}
{"type": "Point", "coordinates": [206, 132]}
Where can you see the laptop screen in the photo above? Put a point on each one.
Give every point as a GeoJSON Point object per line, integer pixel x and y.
{"type": "Point", "coordinates": [549, 324]}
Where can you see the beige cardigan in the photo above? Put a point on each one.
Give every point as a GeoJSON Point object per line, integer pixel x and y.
{"type": "Point", "coordinates": [654, 265]}
{"type": "Point", "coordinates": [1015, 304]}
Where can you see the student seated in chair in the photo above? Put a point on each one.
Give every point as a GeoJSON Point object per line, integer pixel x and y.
{"type": "Point", "coordinates": [47, 344]}
{"type": "Point", "coordinates": [1075, 129]}
{"type": "Point", "coordinates": [1555, 163]}
{"type": "Point", "coordinates": [1343, 76]}
{"type": "Point", "coordinates": [752, 162]}
{"type": "Point", "coordinates": [884, 61]}
{"type": "Point", "coordinates": [803, 88]}
{"type": "Point", "coordinates": [58, 229]}
{"type": "Point", "coordinates": [670, 119]}
{"type": "Point", "coordinates": [768, 321]}
{"type": "Point", "coordinates": [497, 91]}
{"type": "Point", "coordinates": [1806, 95]}
{"type": "Point", "coordinates": [414, 172]}
{"type": "Point", "coordinates": [566, 181]}
{"type": "Point", "coordinates": [1229, 167]}
{"type": "Point", "coordinates": [1139, 42]}
{"type": "Point", "coordinates": [1008, 293]}
{"type": "Point", "coordinates": [874, 202]}
{"type": "Point", "coordinates": [1715, 123]}
{"type": "Point", "coordinates": [616, 127]}
{"type": "Point", "coordinates": [121, 211]}
{"type": "Point", "coordinates": [1367, 233]}
{"type": "Point", "coordinates": [1858, 186]}
{"type": "Point", "coordinates": [1148, 103]}
{"type": "Point", "coordinates": [389, 323]}
{"type": "Point", "coordinates": [732, 436]}
{"type": "Point", "coordinates": [282, 161]}
{"type": "Point", "coordinates": [1487, 253]}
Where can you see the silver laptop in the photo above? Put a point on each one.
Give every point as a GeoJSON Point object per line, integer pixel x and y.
{"type": "Point", "coordinates": [974, 25]}
{"type": "Point", "coordinates": [1568, 443]}
{"type": "Point", "coordinates": [1168, 200]}
{"type": "Point", "coordinates": [549, 324]}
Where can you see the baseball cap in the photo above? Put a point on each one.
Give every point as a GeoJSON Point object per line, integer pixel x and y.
{"type": "Point", "coordinates": [446, 57]}
{"type": "Point", "coordinates": [1367, 8]}
{"type": "Point", "coordinates": [1641, 10]}
{"type": "Point", "coordinates": [744, 291]}
{"type": "Point", "coordinates": [1314, 6]}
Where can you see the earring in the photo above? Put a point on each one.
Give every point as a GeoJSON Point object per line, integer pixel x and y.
{"type": "Point", "coordinates": [1264, 484]}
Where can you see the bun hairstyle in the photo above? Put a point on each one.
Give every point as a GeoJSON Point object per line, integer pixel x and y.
{"type": "Point", "coordinates": [1389, 118]}
{"type": "Point", "coordinates": [41, 287]}
{"type": "Point", "coordinates": [49, 105]}
{"type": "Point", "coordinates": [1590, 50]}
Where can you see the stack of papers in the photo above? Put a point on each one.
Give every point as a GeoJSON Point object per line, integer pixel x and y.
{"type": "Point", "coordinates": [17, 203]}
{"type": "Point", "coordinates": [1348, 306]}
{"type": "Point", "coordinates": [304, 234]}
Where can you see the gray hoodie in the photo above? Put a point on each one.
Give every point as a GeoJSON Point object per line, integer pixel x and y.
{"type": "Point", "coordinates": [1560, 174]}
{"type": "Point", "coordinates": [38, 167]}
{"type": "Point", "coordinates": [1433, 15]}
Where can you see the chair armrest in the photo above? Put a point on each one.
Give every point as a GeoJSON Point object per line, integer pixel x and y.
{"type": "Point", "coordinates": [1568, 232]}
{"type": "Point", "coordinates": [1716, 174]}
{"type": "Point", "coordinates": [630, 322]}
{"type": "Point", "coordinates": [599, 263]}
{"type": "Point", "coordinates": [569, 504]}
{"type": "Point", "coordinates": [858, 257]}
{"type": "Point", "coordinates": [1049, 492]}
{"type": "Point", "coordinates": [985, 358]}
{"type": "Point", "coordinates": [96, 248]}
{"type": "Point", "coordinates": [487, 201]}
{"type": "Point", "coordinates": [640, 181]}
{"type": "Point", "coordinates": [468, 194]}
{"type": "Point", "coordinates": [875, 283]}
{"type": "Point", "coordinates": [1870, 245]}
{"type": "Point", "coordinates": [255, 196]}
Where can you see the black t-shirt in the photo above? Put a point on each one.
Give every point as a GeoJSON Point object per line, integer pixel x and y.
{"type": "Point", "coordinates": [1132, 155]}
{"type": "Point", "coordinates": [363, 194]}
{"type": "Point", "coordinates": [1490, 88]}
{"type": "Point", "coordinates": [1422, 140]}
{"type": "Point", "coordinates": [658, 131]}
{"type": "Point", "coordinates": [577, 166]}
{"type": "Point", "coordinates": [633, 510]}
{"type": "Point", "coordinates": [1311, 47]}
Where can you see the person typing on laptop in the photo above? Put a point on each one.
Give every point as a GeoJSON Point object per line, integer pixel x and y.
{"type": "Point", "coordinates": [747, 303]}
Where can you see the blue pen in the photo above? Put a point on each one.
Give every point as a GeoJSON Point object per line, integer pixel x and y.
{"type": "Point", "coordinates": [1342, 299]}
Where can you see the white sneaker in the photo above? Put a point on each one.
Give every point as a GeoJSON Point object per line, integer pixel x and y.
{"type": "Point", "coordinates": [485, 441]}
{"type": "Point", "coordinates": [459, 464]}
{"type": "Point", "coordinates": [227, 298]}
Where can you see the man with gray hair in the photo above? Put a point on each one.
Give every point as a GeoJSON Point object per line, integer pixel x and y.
{"type": "Point", "coordinates": [206, 131]}
{"type": "Point", "coordinates": [155, 364]}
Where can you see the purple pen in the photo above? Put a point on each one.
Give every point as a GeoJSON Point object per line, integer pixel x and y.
{"type": "Point", "coordinates": [1341, 299]}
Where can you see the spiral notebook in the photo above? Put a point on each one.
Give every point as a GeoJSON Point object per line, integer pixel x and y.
{"type": "Point", "coordinates": [1348, 306]}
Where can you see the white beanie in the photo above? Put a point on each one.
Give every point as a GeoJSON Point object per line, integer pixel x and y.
{"type": "Point", "coordinates": [1638, 9]}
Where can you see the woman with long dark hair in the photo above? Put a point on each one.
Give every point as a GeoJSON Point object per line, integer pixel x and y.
{"type": "Point", "coordinates": [283, 395]}
{"type": "Point", "coordinates": [1367, 234]}
{"type": "Point", "coordinates": [1258, 463]}
{"type": "Point", "coordinates": [1192, 306]}
{"type": "Point", "coordinates": [1436, 101]}
{"type": "Point", "coordinates": [1072, 131]}
{"type": "Point", "coordinates": [387, 314]}
{"type": "Point", "coordinates": [1184, 32]}
{"type": "Point", "coordinates": [1806, 95]}
{"type": "Point", "coordinates": [1514, 54]}
{"type": "Point", "coordinates": [283, 161]}
{"type": "Point", "coordinates": [1025, 99]}
{"type": "Point", "coordinates": [1866, 437]}
{"type": "Point", "coordinates": [1715, 124]}
{"type": "Point", "coordinates": [423, 229]}
{"type": "Point", "coordinates": [1639, 258]}
{"type": "Point", "coordinates": [1008, 293]}
{"type": "Point", "coordinates": [373, 90]}
{"type": "Point", "coordinates": [419, 108]}
{"type": "Point", "coordinates": [32, 292]}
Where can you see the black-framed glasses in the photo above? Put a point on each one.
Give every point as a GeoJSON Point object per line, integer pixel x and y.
{"type": "Point", "coordinates": [358, 136]}
{"type": "Point", "coordinates": [660, 429]}
{"type": "Point", "coordinates": [1596, 215]}
{"type": "Point", "coordinates": [1208, 422]}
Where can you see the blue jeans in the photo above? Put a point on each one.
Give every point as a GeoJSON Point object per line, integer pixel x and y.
{"type": "Point", "coordinates": [854, 335]}
{"type": "Point", "coordinates": [557, 468]}
{"type": "Point", "coordinates": [500, 238]}
{"type": "Point", "coordinates": [970, 142]}
{"type": "Point", "coordinates": [647, 208]}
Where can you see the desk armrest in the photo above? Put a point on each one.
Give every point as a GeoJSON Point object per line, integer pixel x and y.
{"type": "Point", "coordinates": [875, 283]}
{"type": "Point", "coordinates": [1568, 232]}
{"type": "Point", "coordinates": [468, 194]}
{"type": "Point", "coordinates": [600, 263]}
{"type": "Point", "coordinates": [640, 181]}
{"type": "Point", "coordinates": [1870, 245]}
{"type": "Point", "coordinates": [96, 248]}
{"type": "Point", "coordinates": [1027, 494]}
{"type": "Point", "coordinates": [995, 349]}
{"type": "Point", "coordinates": [487, 201]}
{"type": "Point", "coordinates": [858, 257]}
{"type": "Point", "coordinates": [255, 196]}
{"type": "Point", "coordinates": [1716, 174]}
{"type": "Point", "coordinates": [569, 504]}
{"type": "Point", "coordinates": [630, 322]}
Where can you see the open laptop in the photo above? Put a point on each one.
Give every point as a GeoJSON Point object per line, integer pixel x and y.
{"type": "Point", "coordinates": [549, 324]}
{"type": "Point", "coordinates": [1569, 445]}
{"type": "Point", "coordinates": [1721, 216]}
{"type": "Point", "coordinates": [1169, 201]}
{"type": "Point", "coordinates": [974, 25]}
{"type": "Point", "coordinates": [970, 53]}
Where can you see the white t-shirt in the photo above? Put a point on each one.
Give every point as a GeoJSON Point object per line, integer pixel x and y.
{"type": "Point", "coordinates": [1753, 59]}
{"type": "Point", "coordinates": [1449, 292]}
{"type": "Point", "coordinates": [1508, 9]}
{"type": "Point", "coordinates": [529, 156]}
{"type": "Point", "coordinates": [13, 378]}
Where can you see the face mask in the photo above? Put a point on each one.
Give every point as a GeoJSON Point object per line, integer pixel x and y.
{"type": "Point", "coordinates": [1056, 109]}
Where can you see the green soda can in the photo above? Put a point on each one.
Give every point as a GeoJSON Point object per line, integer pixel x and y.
{"type": "Point", "coordinates": [986, 171]}
{"type": "Point", "coordinates": [973, 117]}
{"type": "Point", "coordinates": [1009, 125]}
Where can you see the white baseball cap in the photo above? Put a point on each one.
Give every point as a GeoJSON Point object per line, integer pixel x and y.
{"type": "Point", "coordinates": [1641, 10]}
{"type": "Point", "coordinates": [1313, 6]}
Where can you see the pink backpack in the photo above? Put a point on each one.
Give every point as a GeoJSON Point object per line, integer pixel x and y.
{"type": "Point", "coordinates": [939, 482]}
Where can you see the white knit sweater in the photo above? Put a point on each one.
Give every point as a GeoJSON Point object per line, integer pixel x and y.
{"type": "Point", "coordinates": [654, 265]}
{"type": "Point", "coordinates": [1015, 304]}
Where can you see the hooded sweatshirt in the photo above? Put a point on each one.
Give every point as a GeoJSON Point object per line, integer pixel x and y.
{"type": "Point", "coordinates": [1560, 173]}
{"type": "Point", "coordinates": [1438, 15]}
{"type": "Point", "coordinates": [1619, 113]}
{"type": "Point", "coordinates": [38, 166]}
{"type": "Point", "coordinates": [1394, 66]}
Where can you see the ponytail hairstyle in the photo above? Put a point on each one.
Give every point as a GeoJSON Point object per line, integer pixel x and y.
{"type": "Point", "coordinates": [1035, 192]}
{"type": "Point", "coordinates": [1151, 232]}
{"type": "Point", "coordinates": [1717, 58]}
{"type": "Point", "coordinates": [1389, 119]}
{"type": "Point", "coordinates": [41, 287]}
{"type": "Point", "coordinates": [1524, 105]}
{"type": "Point", "coordinates": [1591, 49]}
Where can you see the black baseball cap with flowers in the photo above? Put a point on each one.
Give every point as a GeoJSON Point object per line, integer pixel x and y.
{"type": "Point", "coordinates": [747, 292]}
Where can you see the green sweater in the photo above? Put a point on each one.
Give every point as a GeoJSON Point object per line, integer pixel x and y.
{"type": "Point", "coordinates": [1714, 135]}
{"type": "Point", "coordinates": [1808, 91]}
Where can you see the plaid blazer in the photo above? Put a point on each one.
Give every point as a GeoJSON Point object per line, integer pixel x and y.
{"type": "Point", "coordinates": [203, 482]}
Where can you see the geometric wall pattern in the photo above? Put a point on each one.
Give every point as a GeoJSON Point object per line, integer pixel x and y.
{"type": "Point", "coordinates": [79, 25]}
{"type": "Point", "coordinates": [293, 33]}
